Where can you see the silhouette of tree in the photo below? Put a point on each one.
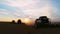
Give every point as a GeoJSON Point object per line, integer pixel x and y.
{"type": "Point", "coordinates": [19, 21]}
{"type": "Point", "coordinates": [13, 21]}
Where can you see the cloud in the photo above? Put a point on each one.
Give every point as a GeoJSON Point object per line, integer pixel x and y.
{"type": "Point", "coordinates": [19, 3]}
{"type": "Point", "coordinates": [3, 11]}
{"type": "Point", "coordinates": [33, 8]}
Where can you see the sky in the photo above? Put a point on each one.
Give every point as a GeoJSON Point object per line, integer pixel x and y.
{"type": "Point", "coordinates": [14, 9]}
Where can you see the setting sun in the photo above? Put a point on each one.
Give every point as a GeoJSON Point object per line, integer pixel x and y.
{"type": "Point", "coordinates": [27, 21]}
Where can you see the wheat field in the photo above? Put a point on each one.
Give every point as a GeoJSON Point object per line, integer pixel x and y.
{"type": "Point", "coordinates": [7, 28]}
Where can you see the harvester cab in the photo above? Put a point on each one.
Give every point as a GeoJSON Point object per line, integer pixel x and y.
{"type": "Point", "coordinates": [44, 19]}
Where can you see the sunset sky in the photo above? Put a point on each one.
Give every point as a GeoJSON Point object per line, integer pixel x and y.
{"type": "Point", "coordinates": [14, 9]}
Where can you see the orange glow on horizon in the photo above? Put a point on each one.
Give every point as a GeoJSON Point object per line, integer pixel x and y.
{"type": "Point", "coordinates": [27, 21]}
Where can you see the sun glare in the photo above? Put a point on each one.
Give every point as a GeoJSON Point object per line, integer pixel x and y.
{"type": "Point", "coordinates": [27, 21]}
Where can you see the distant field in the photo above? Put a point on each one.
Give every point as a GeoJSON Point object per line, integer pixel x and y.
{"type": "Point", "coordinates": [7, 28]}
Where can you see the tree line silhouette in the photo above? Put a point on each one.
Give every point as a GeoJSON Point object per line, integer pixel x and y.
{"type": "Point", "coordinates": [18, 22]}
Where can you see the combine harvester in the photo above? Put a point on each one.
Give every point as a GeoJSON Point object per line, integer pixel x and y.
{"type": "Point", "coordinates": [43, 21]}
